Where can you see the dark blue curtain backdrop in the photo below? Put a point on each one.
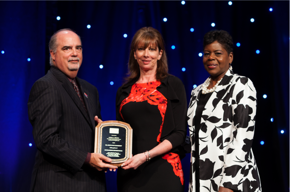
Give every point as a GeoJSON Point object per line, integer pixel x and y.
{"type": "Point", "coordinates": [25, 29]}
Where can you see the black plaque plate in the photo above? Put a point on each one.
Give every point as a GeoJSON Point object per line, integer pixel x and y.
{"type": "Point", "coordinates": [114, 140]}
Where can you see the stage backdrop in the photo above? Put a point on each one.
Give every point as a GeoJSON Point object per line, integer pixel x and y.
{"type": "Point", "coordinates": [260, 31]}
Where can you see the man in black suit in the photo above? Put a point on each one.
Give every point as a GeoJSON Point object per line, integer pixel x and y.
{"type": "Point", "coordinates": [61, 109]}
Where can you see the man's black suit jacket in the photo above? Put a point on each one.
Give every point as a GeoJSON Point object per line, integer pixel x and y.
{"type": "Point", "coordinates": [63, 132]}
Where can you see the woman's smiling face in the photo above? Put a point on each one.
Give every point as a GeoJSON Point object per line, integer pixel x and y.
{"type": "Point", "coordinates": [147, 58]}
{"type": "Point", "coordinates": [216, 60]}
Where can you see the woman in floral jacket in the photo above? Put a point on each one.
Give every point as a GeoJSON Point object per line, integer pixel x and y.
{"type": "Point", "coordinates": [221, 115]}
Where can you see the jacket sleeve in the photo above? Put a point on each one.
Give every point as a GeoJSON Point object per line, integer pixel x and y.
{"type": "Point", "coordinates": [238, 153]}
{"type": "Point", "coordinates": [45, 114]}
{"type": "Point", "coordinates": [179, 111]}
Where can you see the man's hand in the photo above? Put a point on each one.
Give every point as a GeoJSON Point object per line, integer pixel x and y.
{"type": "Point", "coordinates": [98, 159]}
{"type": "Point", "coordinates": [100, 162]}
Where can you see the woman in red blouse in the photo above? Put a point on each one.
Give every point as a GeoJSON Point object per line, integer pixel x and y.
{"type": "Point", "coordinates": [154, 103]}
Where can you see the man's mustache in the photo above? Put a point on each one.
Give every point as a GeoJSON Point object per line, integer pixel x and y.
{"type": "Point", "coordinates": [74, 59]}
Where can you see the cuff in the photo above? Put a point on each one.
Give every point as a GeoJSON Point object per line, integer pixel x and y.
{"type": "Point", "coordinates": [88, 158]}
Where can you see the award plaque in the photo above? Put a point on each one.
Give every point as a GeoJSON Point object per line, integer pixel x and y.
{"type": "Point", "coordinates": [114, 140]}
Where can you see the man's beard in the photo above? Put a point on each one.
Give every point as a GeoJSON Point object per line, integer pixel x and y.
{"type": "Point", "coordinates": [73, 67]}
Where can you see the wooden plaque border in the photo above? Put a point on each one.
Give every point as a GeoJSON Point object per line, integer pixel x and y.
{"type": "Point", "coordinates": [128, 139]}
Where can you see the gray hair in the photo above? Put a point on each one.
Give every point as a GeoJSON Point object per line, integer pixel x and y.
{"type": "Point", "coordinates": [53, 42]}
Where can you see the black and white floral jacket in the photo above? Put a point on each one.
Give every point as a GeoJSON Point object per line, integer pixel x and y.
{"type": "Point", "coordinates": [225, 137]}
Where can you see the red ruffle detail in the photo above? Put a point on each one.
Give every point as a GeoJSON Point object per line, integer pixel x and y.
{"type": "Point", "coordinates": [175, 161]}
{"type": "Point", "coordinates": [147, 92]}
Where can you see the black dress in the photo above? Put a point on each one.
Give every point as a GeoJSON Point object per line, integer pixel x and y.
{"type": "Point", "coordinates": [196, 121]}
{"type": "Point", "coordinates": [144, 109]}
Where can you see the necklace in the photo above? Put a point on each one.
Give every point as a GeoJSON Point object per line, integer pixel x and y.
{"type": "Point", "coordinates": [206, 84]}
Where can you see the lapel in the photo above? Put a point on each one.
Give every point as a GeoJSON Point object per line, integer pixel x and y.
{"type": "Point", "coordinates": [67, 85]}
{"type": "Point", "coordinates": [168, 91]}
{"type": "Point", "coordinates": [195, 95]}
{"type": "Point", "coordinates": [125, 91]}
{"type": "Point", "coordinates": [85, 92]}
{"type": "Point", "coordinates": [221, 93]}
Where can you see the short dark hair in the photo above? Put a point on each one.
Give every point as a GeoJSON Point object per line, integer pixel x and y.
{"type": "Point", "coordinates": [147, 35]}
{"type": "Point", "coordinates": [222, 37]}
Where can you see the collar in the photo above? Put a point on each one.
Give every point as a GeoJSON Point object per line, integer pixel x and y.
{"type": "Point", "coordinates": [61, 76]}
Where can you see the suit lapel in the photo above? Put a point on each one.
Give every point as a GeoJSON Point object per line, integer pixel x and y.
{"type": "Point", "coordinates": [195, 94]}
{"type": "Point", "coordinates": [87, 103]}
{"type": "Point", "coordinates": [67, 85]}
{"type": "Point", "coordinates": [221, 93]}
